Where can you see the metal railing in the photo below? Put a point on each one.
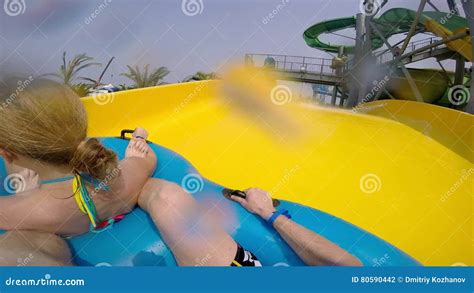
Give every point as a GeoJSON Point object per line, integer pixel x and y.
{"type": "Point", "coordinates": [412, 46]}
{"type": "Point", "coordinates": [288, 63]}
{"type": "Point", "coordinates": [322, 66]}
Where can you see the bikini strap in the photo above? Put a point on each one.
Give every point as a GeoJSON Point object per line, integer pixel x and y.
{"type": "Point", "coordinates": [83, 199]}
{"type": "Point", "coordinates": [57, 180]}
{"type": "Point", "coordinates": [86, 205]}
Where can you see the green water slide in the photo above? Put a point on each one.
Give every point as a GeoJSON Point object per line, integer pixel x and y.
{"type": "Point", "coordinates": [392, 22]}
{"type": "Point", "coordinates": [432, 84]}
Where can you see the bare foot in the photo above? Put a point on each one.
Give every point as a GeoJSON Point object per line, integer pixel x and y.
{"type": "Point", "coordinates": [29, 180]}
{"type": "Point", "coordinates": [137, 148]}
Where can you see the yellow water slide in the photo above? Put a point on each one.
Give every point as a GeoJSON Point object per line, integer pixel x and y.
{"type": "Point", "coordinates": [453, 129]}
{"type": "Point", "coordinates": [379, 174]}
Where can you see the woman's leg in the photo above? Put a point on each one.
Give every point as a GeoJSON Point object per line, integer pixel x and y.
{"type": "Point", "coordinates": [30, 248]}
{"type": "Point", "coordinates": [192, 235]}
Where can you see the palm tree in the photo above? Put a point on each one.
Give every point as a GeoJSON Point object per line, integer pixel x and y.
{"type": "Point", "coordinates": [145, 78]}
{"type": "Point", "coordinates": [201, 76]}
{"type": "Point", "coordinates": [69, 70]}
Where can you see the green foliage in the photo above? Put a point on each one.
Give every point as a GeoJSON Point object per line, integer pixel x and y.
{"type": "Point", "coordinates": [200, 75]}
{"type": "Point", "coordinates": [145, 78]}
{"type": "Point", "coordinates": [69, 71]}
{"type": "Point", "coordinates": [82, 89]}
{"type": "Point", "coordinates": [124, 87]}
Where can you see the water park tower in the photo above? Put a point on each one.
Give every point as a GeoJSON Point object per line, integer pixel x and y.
{"type": "Point", "coordinates": [373, 68]}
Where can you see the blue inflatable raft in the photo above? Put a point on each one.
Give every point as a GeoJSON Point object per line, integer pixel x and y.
{"type": "Point", "coordinates": [136, 242]}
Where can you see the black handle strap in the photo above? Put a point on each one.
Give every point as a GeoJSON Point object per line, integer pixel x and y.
{"type": "Point", "coordinates": [124, 132]}
{"type": "Point", "coordinates": [235, 192]}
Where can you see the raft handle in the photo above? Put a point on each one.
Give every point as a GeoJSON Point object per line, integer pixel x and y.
{"type": "Point", "coordinates": [128, 131]}
{"type": "Point", "coordinates": [235, 192]}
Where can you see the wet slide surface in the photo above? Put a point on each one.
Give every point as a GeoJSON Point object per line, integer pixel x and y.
{"type": "Point", "coordinates": [378, 174]}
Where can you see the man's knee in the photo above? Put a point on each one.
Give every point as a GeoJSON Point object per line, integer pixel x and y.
{"type": "Point", "coordinates": [160, 192]}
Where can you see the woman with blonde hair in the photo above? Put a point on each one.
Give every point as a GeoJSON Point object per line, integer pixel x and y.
{"type": "Point", "coordinates": [75, 185]}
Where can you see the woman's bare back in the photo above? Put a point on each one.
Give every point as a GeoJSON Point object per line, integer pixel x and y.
{"type": "Point", "coordinates": [53, 208]}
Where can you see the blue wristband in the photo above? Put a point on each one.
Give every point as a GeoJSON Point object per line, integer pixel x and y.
{"type": "Point", "coordinates": [276, 214]}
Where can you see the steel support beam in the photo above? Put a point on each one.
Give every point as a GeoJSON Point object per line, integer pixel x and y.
{"type": "Point", "coordinates": [407, 74]}
{"type": "Point", "coordinates": [459, 73]}
{"type": "Point", "coordinates": [445, 73]}
{"type": "Point", "coordinates": [334, 96]}
{"type": "Point", "coordinates": [433, 6]}
{"type": "Point", "coordinates": [358, 56]}
{"type": "Point", "coordinates": [468, 7]}
{"type": "Point", "coordinates": [453, 7]}
{"type": "Point", "coordinates": [414, 24]}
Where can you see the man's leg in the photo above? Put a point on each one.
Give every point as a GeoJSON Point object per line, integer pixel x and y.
{"type": "Point", "coordinates": [193, 235]}
{"type": "Point", "coordinates": [30, 248]}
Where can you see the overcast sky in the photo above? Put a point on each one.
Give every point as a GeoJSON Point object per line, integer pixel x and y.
{"type": "Point", "coordinates": [163, 32]}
